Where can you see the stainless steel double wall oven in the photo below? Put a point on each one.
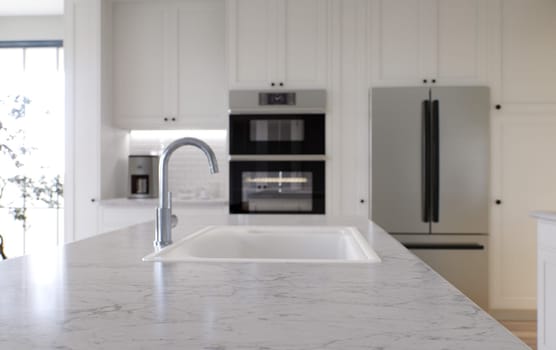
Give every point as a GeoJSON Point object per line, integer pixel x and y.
{"type": "Point", "coordinates": [277, 152]}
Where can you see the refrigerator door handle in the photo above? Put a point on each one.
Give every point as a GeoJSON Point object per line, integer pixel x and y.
{"type": "Point", "coordinates": [444, 246]}
{"type": "Point", "coordinates": [435, 164]}
{"type": "Point", "coordinates": [426, 162]}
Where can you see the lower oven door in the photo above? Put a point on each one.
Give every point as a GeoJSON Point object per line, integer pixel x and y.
{"type": "Point", "coordinates": [277, 187]}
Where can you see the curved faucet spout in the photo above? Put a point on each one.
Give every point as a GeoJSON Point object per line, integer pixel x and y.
{"type": "Point", "coordinates": [163, 234]}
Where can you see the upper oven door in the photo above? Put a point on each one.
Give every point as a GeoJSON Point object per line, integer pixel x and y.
{"type": "Point", "coordinates": [284, 134]}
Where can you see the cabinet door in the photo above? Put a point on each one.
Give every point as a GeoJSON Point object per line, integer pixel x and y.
{"type": "Point", "coordinates": [461, 42]}
{"type": "Point", "coordinates": [83, 71]}
{"type": "Point", "coordinates": [201, 79]}
{"type": "Point", "coordinates": [117, 218]}
{"type": "Point", "coordinates": [301, 40]}
{"type": "Point", "coordinates": [251, 43]}
{"type": "Point", "coordinates": [140, 63]}
{"type": "Point", "coordinates": [523, 179]}
{"type": "Point", "coordinates": [418, 40]}
{"type": "Point", "coordinates": [527, 55]}
{"type": "Point", "coordinates": [399, 41]}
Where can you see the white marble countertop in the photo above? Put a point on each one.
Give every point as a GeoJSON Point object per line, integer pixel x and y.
{"type": "Point", "coordinates": [544, 215]}
{"type": "Point", "coordinates": [97, 293]}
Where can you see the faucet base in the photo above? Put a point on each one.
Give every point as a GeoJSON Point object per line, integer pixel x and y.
{"type": "Point", "coordinates": [159, 245]}
{"type": "Point", "coordinates": [163, 228]}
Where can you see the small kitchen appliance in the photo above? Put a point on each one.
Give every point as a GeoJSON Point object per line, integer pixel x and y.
{"type": "Point", "coordinates": [143, 176]}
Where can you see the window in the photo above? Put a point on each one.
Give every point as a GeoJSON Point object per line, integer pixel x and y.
{"type": "Point", "coordinates": [31, 145]}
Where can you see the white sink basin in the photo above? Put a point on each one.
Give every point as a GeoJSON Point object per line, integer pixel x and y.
{"type": "Point", "coordinates": [307, 244]}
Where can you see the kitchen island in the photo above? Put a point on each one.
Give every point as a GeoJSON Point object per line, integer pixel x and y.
{"type": "Point", "coordinates": [98, 293]}
{"type": "Point", "coordinates": [546, 279]}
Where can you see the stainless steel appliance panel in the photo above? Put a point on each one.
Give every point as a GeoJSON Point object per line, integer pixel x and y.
{"type": "Point", "coordinates": [430, 178]}
{"type": "Point", "coordinates": [277, 101]}
{"type": "Point", "coordinates": [461, 259]}
{"type": "Point", "coordinates": [464, 149]}
{"type": "Point", "coordinates": [397, 159]}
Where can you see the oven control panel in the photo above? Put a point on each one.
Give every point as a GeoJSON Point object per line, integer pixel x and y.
{"type": "Point", "coordinates": [277, 98]}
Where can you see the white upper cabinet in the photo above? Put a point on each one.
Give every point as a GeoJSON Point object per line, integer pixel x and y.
{"type": "Point", "coordinates": [302, 43]}
{"type": "Point", "coordinates": [275, 43]}
{"type": "Point", "coordinates": [524, 70]}
{"type": "Point", "coordinates": [169, 64]}
{"type": "Point", "coordinates": [201, 74]}
{"type": "Point", "coordinates": [252, 55]}
{"type": "Point", "coordinates": [138, 61]}
{"type": "Point", "coordinates": [428, 42]}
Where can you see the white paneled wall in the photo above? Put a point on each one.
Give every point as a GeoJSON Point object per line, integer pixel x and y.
{"type": "Point", "coordinates": [31, 27]}
{"type": "Point", "coordinates": [189, 176]}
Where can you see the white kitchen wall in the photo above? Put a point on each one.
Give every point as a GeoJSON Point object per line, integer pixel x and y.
{"type": "Point", "coordinates": [189, 177]}
{"type": "Point", "coordinates": [31, 27]}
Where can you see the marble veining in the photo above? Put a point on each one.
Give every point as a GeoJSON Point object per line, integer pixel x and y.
{"type": "Point", "coordinates": [97, 293]}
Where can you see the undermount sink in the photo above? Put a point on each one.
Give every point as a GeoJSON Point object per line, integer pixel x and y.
{"type": "Point", "coordinates": [302, 244]}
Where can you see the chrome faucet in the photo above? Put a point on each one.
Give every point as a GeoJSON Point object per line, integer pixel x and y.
{"type": "Point", "coordinates": [163, 233]}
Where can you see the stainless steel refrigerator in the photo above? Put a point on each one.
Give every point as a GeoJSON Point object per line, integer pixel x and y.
{"type": "Point", "coordinates": [430, 177]}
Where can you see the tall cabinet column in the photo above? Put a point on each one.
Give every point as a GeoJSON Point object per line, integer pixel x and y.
{"type": "Point", "coordinates": [82, 44]}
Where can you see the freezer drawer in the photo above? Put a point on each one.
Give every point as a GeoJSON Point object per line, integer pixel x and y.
{"type": "Point", "coordinates": [460, 259]}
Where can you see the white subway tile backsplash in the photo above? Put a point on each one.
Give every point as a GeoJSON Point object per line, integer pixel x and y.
{"type": "Point", "coordinates": [189, 176]}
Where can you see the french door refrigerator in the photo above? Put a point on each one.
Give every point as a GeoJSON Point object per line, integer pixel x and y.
{"type": "Point", "coordinates": [430, 177]}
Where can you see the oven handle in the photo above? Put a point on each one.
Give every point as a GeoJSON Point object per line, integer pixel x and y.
{"type": "Point", "coordinates": [279, 158]}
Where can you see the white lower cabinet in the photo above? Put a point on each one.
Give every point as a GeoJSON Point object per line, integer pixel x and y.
{"type": "Point", "coordinates": [116, 218]}
{"type": "Point", "coordinates": [546, 314]}
{"type": "Point", "coordinates": [523, 180]}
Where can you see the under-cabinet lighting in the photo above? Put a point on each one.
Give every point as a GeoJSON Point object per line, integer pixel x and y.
{"type": "Point", "coordinates": [153, 142]}
{"type": "Point", "coordinates": [176, 134]}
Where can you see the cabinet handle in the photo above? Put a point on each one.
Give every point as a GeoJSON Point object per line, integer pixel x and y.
{"type": "Point", "coordinates": [93, 200]}
{"type": "Point", "coordinates": [433, 81]}
{"type": "Point", "coordinates": [362, 201]}
{"type": "Point", "coordinates": [173, 119]}
{"type": "Point", "coordinates": [498, 202]}
{"type": "Point", "coordinates": [499, 107]}
{"type": "Point", "coordinates": [425, 81]}
{"type": "Point", "coordinates": [165, 119]}
{"type": "Point", "coordinates": [281, 84]}
{"type": "Point", "coordinates": [272, 84]}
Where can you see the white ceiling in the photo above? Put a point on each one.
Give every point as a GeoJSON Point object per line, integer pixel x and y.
{"type": "Point", "coordinates": [31, 7]}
